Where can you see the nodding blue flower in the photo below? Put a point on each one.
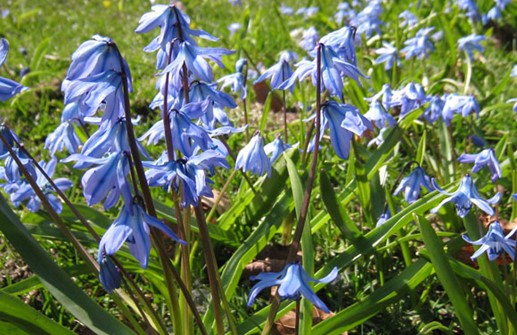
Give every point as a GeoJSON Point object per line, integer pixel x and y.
{"type": "Point", "coordinates": [107, 180]}
{"type": "Point", "coordinates": [419, 46]}
{"type": "Point", "coordinates": [276, 148]}
{"type": "Point", "coordinates": [388, 55]}
{"type": "Point", "coordinates": [194, 58]}
{"type": "Point", "coordinates": [484, 158]}
{"type": "Point", "coordinates": [170, 20]}
{"type": "Point", "coordinates": [384, 95]}
{"type": "Point", "coordinates": [8, 88]}
{"type": "Point", "coordinates": [343, 120]}
{"type": "Point", "coordinates": [279, 72]}
{"type": "Point", "coordinates": [409, 98]}
{"type": "Point", "coordinates": [286, 10]}
{"type": "Point", "coordinates": [292, 282]}
{"type": "Point", "coordinates": [10, 138]}
{"type": "Point", "coordinates": [333, 69]}
{"type": "Point", "coordinates": [470, 7]}
{"type": "Point", "coordinates": [378, 115]}
{"type": "Point", "coordinates": [385, 216]}
{"type": "Point", "coordinates": [12, 170]}
{"type": "Point", "coordinates": [63, 136]}
{"type": "Point", "coordinates": [459, 104]}
{"type": "Point", "coordinates": [192, 171]}
{"type": "Point", "coordinates": [101, 91]}
{"type": "Point", "coordinates": [109, 275]}
{"type": "Point", "coordinates": [408, 19]}
{"type": "Point", "coordinates": [342, 42]}
{"type": "Point", "coordinates": [471, 43]}
{"type": "Point", "coordinates": [413, 183]}
{"type": "Point", "coordinates": [236, 80]}
{"type": "Point", "coordinates": [465, 196]}
{"type": "Point", "coordinates": [94, 57]}
{"type": "Point", "coordinates": [434, 111]}
{"type": "Point", "coordinates": [253, 158]}
{"type": "Point", "coordinates": [309, 38]}
{"type": "Point", "coordinates": [132, 226]}
{"type": "Point", "coordinates": [494, 242]}
{"type": "Point", "coordinates": [25, 192]}
{"type": "Point", "coordinates": [368, 20]}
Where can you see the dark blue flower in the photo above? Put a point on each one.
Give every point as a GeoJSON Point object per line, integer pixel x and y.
{"type": "Point", "coordinates": [292, 282]}
{"type": "Point", "coordinates": [253, 158]}
{"type": "Point", "coordinates": [8, 88]}
{"type": "Point", "coordinates": [494, 242]}
{"type": "Point", "coordinates": [485, 157]}
{"type": "Point", "coordinates": [132, 226]}
{"type": "Point", "coordinates": [109, 275]}
{"type": "Point", "coordinates": [465, 196]}
{"type": "Point", "coordinates": [413, 183]}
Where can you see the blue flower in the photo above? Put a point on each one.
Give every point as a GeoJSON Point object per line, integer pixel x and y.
{"type": "Point", "coordinates": [419, 46]}
{"type": "Point", "coordinates": [132, 226]}
{"type": "Point", "coordinates": [63, 136]}
{"type": "Point", "coordinates": [388, 54]}
{"type": "Point", "coordinates": [279, 72]}
{"type": "Point", "coordinates": [378, 115]}
{"type": "Point", "coordinates": [485, 157]}
{"type": "Point", "coordinates": [460, 104]}
{"type": "Point", "coordinates": [342, 43]}
{"type": "Point", "coordinates": [409, 98]}
{"type": "Point", "coordinates": [194, 58]}
{"type": "Point", "coordinates": [383, 218]}
{"type": "Point", "coordinates": [170, 20]}
{"type": "Point", "coordinates": [465, 196]}
{"type": "Point", "coordinates": [368, 20]}
{"type": "Point", "coordinates": [309, 39]}
{"type": "Point", "coordinates": [408, 19]}
{"type": "Point", "coordinates": [109, 275]}
{"type": "Point", "coordinates": [413, 183]}
{"type": "Point", "coordinates": [292, 282]}
{"type": "Point", "coordinates": [343, 120]}
{"type": "Point", "coordinates": [192, 171]}
{"type": "Point", "coordinates": [494, 242]}
{"type": "Point", "coordinates": [8, 88]}
{"type": "Point", "coordinates": [471, 8]}
{"type": "Point", "coordinates": [276, 148]}
{"type": "Point", "coordinates": [253, 158]}
{"type": "Point", "coordinates": [25, 192]}
{"type": "Point", "coordinates": [236, 80]}
{"type": "Point", "coordinates": [434, 111]}
{"type": "Point", "coordinates": [471, 43]}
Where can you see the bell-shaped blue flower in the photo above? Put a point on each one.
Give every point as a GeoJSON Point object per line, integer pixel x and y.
{"type": "Point", "coordinates": [494, 242]}
{"type": "Point", "coordinates": [8, 88]}
{"type": "Point", "coordinates": [132, 226]}
{"type": "Point", "coordinates": [388, 55]}
{"type": "Point", "coordinates": [413, 183]}
{"type": "Point", "coordinates": [465, 196]}
{"type": "Point", "coordinates": [379, 116]}
{"type": "Point", "coordinates": [292, 282]}
{"type": "Point", "coordinates": [471, 43]}
{"type": "Point", "coordinates": [460, 104]}
{"type": "Point", "coordinates": [253, 158]}
{"type": "Point", "coordinates": [236, 80]}
{"type": "Point", "coordinates": [276, 148]}
{"type": "Point", "coordinates": [484, 158]}
{"type": "Point", "coordinates": [109, 275]}
{"type": "Point", "coordinates": [419, 46]}
{"type": "Point", "coordinates": [279, 72]}
{"type": "Point", "coordinates": [63, 136]}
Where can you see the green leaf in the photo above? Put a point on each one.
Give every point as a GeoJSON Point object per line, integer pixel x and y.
{"type": "Point", "coordinates": [59, 284]}
{"type": "Point", "coordinates": [420, 153]}
{"type": "Point", "coordinates": [19, 318]}
{"type": "Point", "coordinates": [446, 276]}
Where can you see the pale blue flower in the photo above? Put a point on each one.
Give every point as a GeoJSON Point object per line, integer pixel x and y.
{"type": "Point", "coordinates": [412, 184]}
{"type": "Point", "coordinates": [470, 7]}
{"type": "Point", "coordinates": [286, 10]}
{"type": "Point", "coordinates": [459, 104]}
{"type": "Point", "coordinates": [494, 242]}
{"type": "Point", "coordinates": [514, 71]}
{"type": "Point", "coordinates": [385, 216]}
{"type": "Point", "coordinates": [276, 148]}
{"type": "Point", "coordinates": [484, 158]}
{"type": "Point", "coordinates": [309, 39]}
{"type": "Point", "coordinates": [132, 226]}
{"type": "Point", "coordinates": [408, 19]}
{"type": "Point", "coordinates": [279, 72]}
{"type": "Point", "coordinates": [388, 54]}
{"type": "Point", "coordinates": [465, 196]}
{"type": "Point", "coordinates": [253, 158]}
{"type": "Point", "coordinates": [419, 46]}
{"type": "Point", "coordinates": [8, 88]}
{"type": "Point", "coordinates": [344, 11]}
{"type": "Point", "coordinates": [292, 282]}
{"type": "Point", "coordinates": [236, 80]}
{"type": "Point", "coordinates": [514, 100]}
{"type": "Point", "coordinates": [471, 43]}
{"type": "Point", "coordinates": [409, 98]}
{"type": "Point", "coordinates": [64, 136]}
{"type": "Point", "coordinates": [368, 20]}
{"type": "Point", "coordinates": [4, 50]}
{"type": "Point", "coordinates": [434, 111]}
{"type": "Point", "coordinates": [26, 193]}
{"type": "Point", "coordinates": [307, 11]}
{"type": "Point", "coordinates": [342, 43]}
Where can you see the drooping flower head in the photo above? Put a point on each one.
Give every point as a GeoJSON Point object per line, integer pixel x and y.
{"type": "Point", "coordinates": [471, 43]}
{"type": "Point", "coordinates": [465, 196]}
{"type": "Point", "coordinates": [8, 88]}
{"type": "Point", "coordinates": [494, 242]}
{"type": "Point", "coordinates": [413, 183]}
{"type": "Point", "coordinates": [484, 158]}
{"type": "Point", "coordinates": [292, 282]}
{"type": "Point", "coordinates": [253, 158]}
